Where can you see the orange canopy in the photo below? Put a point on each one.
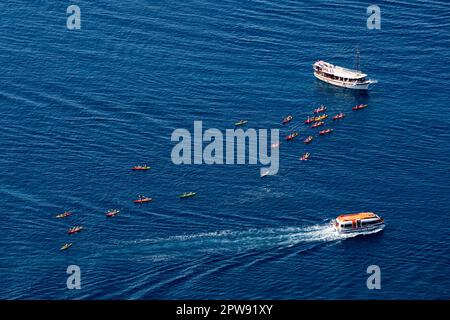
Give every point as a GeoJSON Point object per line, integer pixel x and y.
{"type": "Point", "coordinates": [356, 216]}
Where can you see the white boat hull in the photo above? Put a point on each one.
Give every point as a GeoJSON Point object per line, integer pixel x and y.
{"type": "Point", "coordinates": [361, 230]}
{"type": "Point", "coordinates": [343, 84]}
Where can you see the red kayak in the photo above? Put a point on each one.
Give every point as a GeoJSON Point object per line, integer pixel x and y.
{"type": "Point", "coordinates": [324, 132]}
{"type": "Point", "coordinates": [288, 119]}
{"type": "Point", "coordinates": [308, 140]}
{"type": "Point", "coordinates": [75, 230]}
{"type": "Point", "coordinates": [361, 106]}
{"type": "Point", "coordinates": [143, 200]}
{"type": "Point", "coordinates": [64, 215]}
{"type": "Point", "coordinates": [305, 157]}
{"type": "Point", "coordinates": [140, 168]}
{"type": "Point", "coordinates": [310, 120]}
{"type": "Point", "coordinates": [317, 124]}
{"type": "Point", "coordinates": [112, 213]}
{"type": "Point", "coordinates": [320, 109]}
{"type": "Point", "coordinates": [339, 116]}
{"type": "Point", "coordinates": [292, 136]}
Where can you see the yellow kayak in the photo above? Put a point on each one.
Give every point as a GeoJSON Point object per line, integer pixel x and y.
{"type": "Point", "coordinates": [66, 246]}
{"type": "Point", "coordinates": [320, 118]}
{"type": "Point", "coordinates": [64, 215]}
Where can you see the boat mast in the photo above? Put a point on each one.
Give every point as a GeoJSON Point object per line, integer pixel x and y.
{"type": "Point", "coordinates": [358, 67]}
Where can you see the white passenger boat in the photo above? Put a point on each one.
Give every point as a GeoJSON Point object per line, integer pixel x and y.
{"type": "Point", "coordinates": [342, 77]}
{"type": "Point", "coordinates": [363, 223]}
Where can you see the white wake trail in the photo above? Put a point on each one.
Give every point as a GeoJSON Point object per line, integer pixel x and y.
{"type": "Point", "coordinates": [244, 240]}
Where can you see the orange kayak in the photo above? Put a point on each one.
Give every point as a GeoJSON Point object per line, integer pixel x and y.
{"type": "Point", "coordinates": [143, 200]}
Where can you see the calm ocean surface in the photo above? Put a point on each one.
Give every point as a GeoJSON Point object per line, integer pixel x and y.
{"type": "Point", "coordinates": [79, 108]}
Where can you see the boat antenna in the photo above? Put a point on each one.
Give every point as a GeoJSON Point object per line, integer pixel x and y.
{"type": "Point", "coordinates": [358, 67]}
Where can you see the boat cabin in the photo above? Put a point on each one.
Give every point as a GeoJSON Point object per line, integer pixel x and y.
{"type": "Point", "coordinates": [332, 72]}
{"type": "Point", "coordinates": [357, 221]}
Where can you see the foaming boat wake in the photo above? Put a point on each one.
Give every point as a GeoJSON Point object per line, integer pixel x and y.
{"type": "Point", "coordinates": [317, 233]}
{"type": "Point", "coordinates": [239, 241]}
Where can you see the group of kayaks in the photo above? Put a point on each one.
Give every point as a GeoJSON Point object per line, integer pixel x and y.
{"type": "Point", "coordinates": [77, 229]}
{"type": "Point", "coordinates": [114, 212]}
{"type": "Point", "coordinates": [316, 121]}
{"type": "Point", "coordinates": [140, 198]}
{"type": "Point", "coordinates": [144, 199]}
{"type": "Point", "coordinates": [71, 230]}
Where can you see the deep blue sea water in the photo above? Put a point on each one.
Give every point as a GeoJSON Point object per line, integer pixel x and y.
{"type": "Point", "coordinates": [79, 108]}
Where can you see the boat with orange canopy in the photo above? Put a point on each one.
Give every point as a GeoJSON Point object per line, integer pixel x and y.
{"type": "Point", "coordinates": [362, 222]}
